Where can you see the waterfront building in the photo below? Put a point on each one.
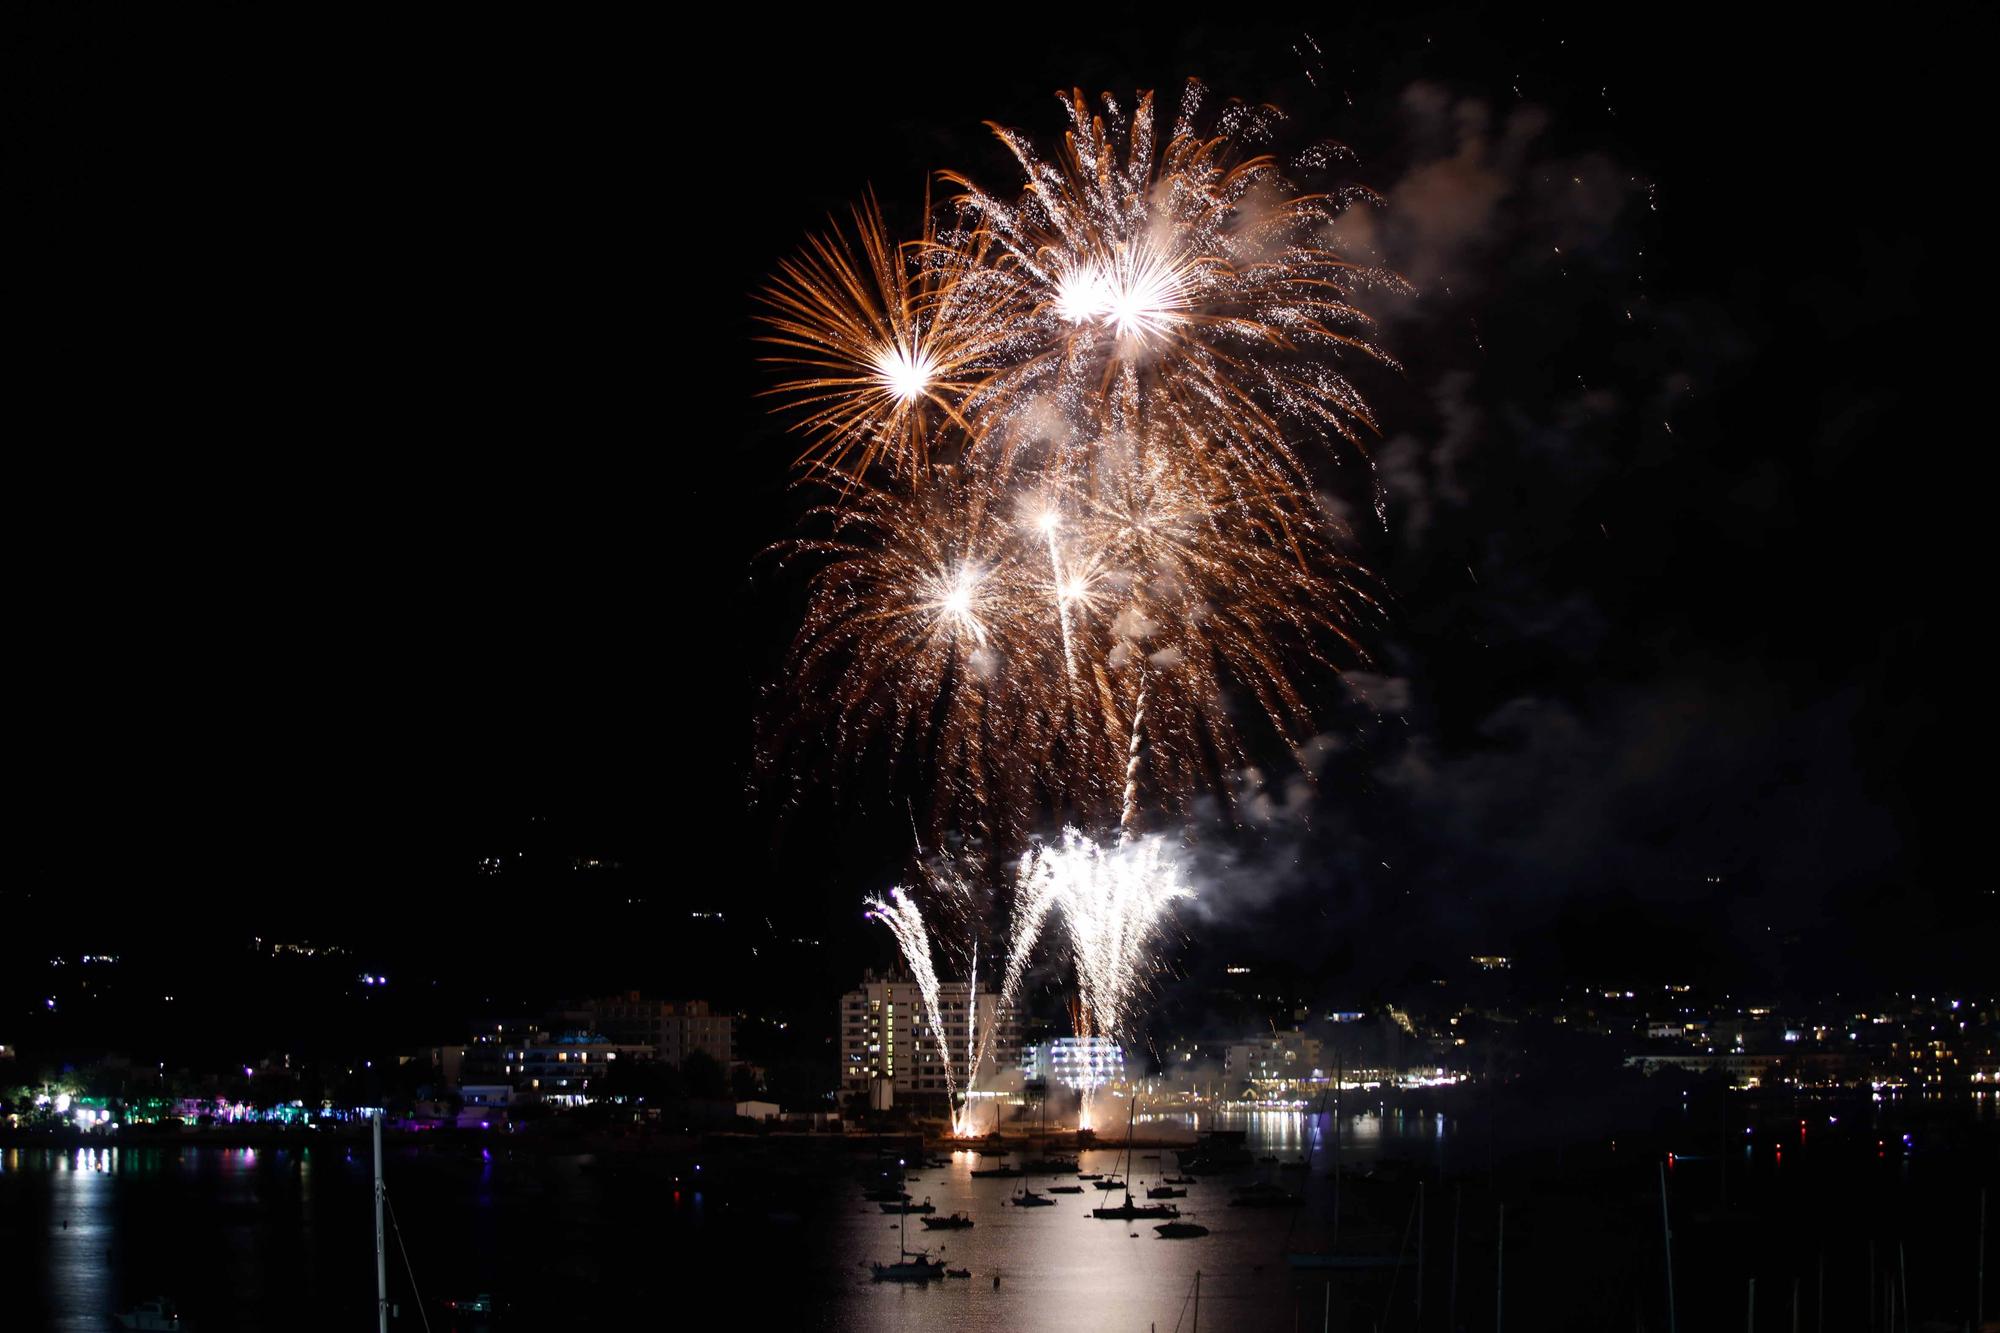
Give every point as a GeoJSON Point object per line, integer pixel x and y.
{"type": "Point", "coordinates": [1275, 1064]}
{"type": "Point", "coordinates": [889, 1041]}
{"type": "Point", "coordinates": [1079, 1063]}
{"type": "Point", "coordinates": [567, 1070]}
{"type": "Point", "coordinates": [674, 1029]}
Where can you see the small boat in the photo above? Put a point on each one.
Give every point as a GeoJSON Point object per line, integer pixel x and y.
{"type": "Point", "coordinates": [1065, 1189]}
{"type": "Point", "coordinates": [910, 1268]}
{"type": "Point", "coordinates": [1030, 1199]}
{"type": "Point", "coordinates": [958, 1272]}
{"type": "Point", "coordinates": [1052, 1166]}
{"type": "Point", "coordinates": [1180, 1180]}
{"type": "Point", "coordinates": [150, 1315]}
{"type": "Point", "coordinates": [1128, 1211]}
{"type": "Point", "coordinates": [905, 1206]}
{"type": "Point", "coordinates": [937, 1163]}
{"type": "Point", "coordinates": [1180, 1230]}
{"type": "Point", "coordinates": [1090, 1175]}
{"type": "Point", "coordinates": [956, 1222]}
{"type": "Point", "coordinates": [998, 1173]}
{"type": "Point", "coordinates": [1166, 1192]}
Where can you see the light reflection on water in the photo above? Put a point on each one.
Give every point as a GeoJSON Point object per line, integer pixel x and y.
{"type": "Point", "coordinates": [282, 1238]}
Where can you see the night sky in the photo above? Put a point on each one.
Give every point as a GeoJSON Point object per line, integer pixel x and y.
{"type": "Point", "coordinates": [392, 477]}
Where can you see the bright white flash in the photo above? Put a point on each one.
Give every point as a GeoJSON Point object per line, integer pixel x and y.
{"type": "Point", "coordinates": [1083, 294]}
{"type": "Point", "coordinates": [904, 372]}
{"type": "Point", "coordinates": [1137, 297]}
{"type": "Point", "coordinates": [956, 599]}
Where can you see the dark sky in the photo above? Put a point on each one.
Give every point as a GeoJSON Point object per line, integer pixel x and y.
{"type": "Point", "coordinates": [391, 471]}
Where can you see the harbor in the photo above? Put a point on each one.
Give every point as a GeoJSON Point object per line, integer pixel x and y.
{"type": "Point", "coordinates": [246, 1237]}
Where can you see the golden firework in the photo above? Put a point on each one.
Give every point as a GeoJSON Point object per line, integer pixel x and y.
{"type": "Point", "coordinates": [1067, 439]}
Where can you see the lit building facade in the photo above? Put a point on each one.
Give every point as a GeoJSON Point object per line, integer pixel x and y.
{"type": "Point", "coordinates": [1274, 1065]}
{"type": "Point", "coordinates": [889, 1042]}
{"type": "Point", "coordinates": [1075, 1062]}
{"type": "Point", "coordinates": [568, 1070]}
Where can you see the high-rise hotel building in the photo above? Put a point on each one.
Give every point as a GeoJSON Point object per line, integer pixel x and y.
{"type": "Point", "coordinates": [889, 1042]}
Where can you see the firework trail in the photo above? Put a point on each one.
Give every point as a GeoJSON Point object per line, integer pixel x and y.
{"type": "Point", "coordinates": [900, 913]}
{"type": "Point", "coordinates": [1113, 901]}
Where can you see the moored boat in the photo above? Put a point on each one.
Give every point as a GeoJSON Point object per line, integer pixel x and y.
{"type": "Point", "coordinates": [956, 1222]}
{"type": "Point", "coordinates": [909, 1268]}
{"type": "Point", "coordinates": [1129, 1210]}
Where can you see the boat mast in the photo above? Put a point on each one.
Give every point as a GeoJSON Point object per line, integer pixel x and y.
{"type": "Point", "coordinates": [1336, 1145]}
{"type": "Point", "coordinates": [381, 1258]}
{"type": "Point", "coordinates": [1130, 1118]}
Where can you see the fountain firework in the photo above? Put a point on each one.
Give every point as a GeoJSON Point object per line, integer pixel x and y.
{"type": "Point", "coordinates": [900, 913]}
{"type": "Point", "coordinates": [1114, 901]}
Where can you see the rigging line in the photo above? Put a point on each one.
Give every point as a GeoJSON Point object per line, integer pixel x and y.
{"type": "Point", "coordinates": [1184, 1305]}
{"type": "Point", "coordinates": [405, 1252]}
{"type": "Point", "coordinates": [1389, 1306]}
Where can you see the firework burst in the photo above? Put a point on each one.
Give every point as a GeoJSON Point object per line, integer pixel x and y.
{"type": "Point", "coordinates": [886, 341]}
{"type": "Point", "coordinates": [1067, 440]}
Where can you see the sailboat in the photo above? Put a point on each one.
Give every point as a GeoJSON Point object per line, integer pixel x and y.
{"type": "Point", "coordinates": [908, 1268]}
{"type": "Point", "coordinates": [1128, 1210]}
